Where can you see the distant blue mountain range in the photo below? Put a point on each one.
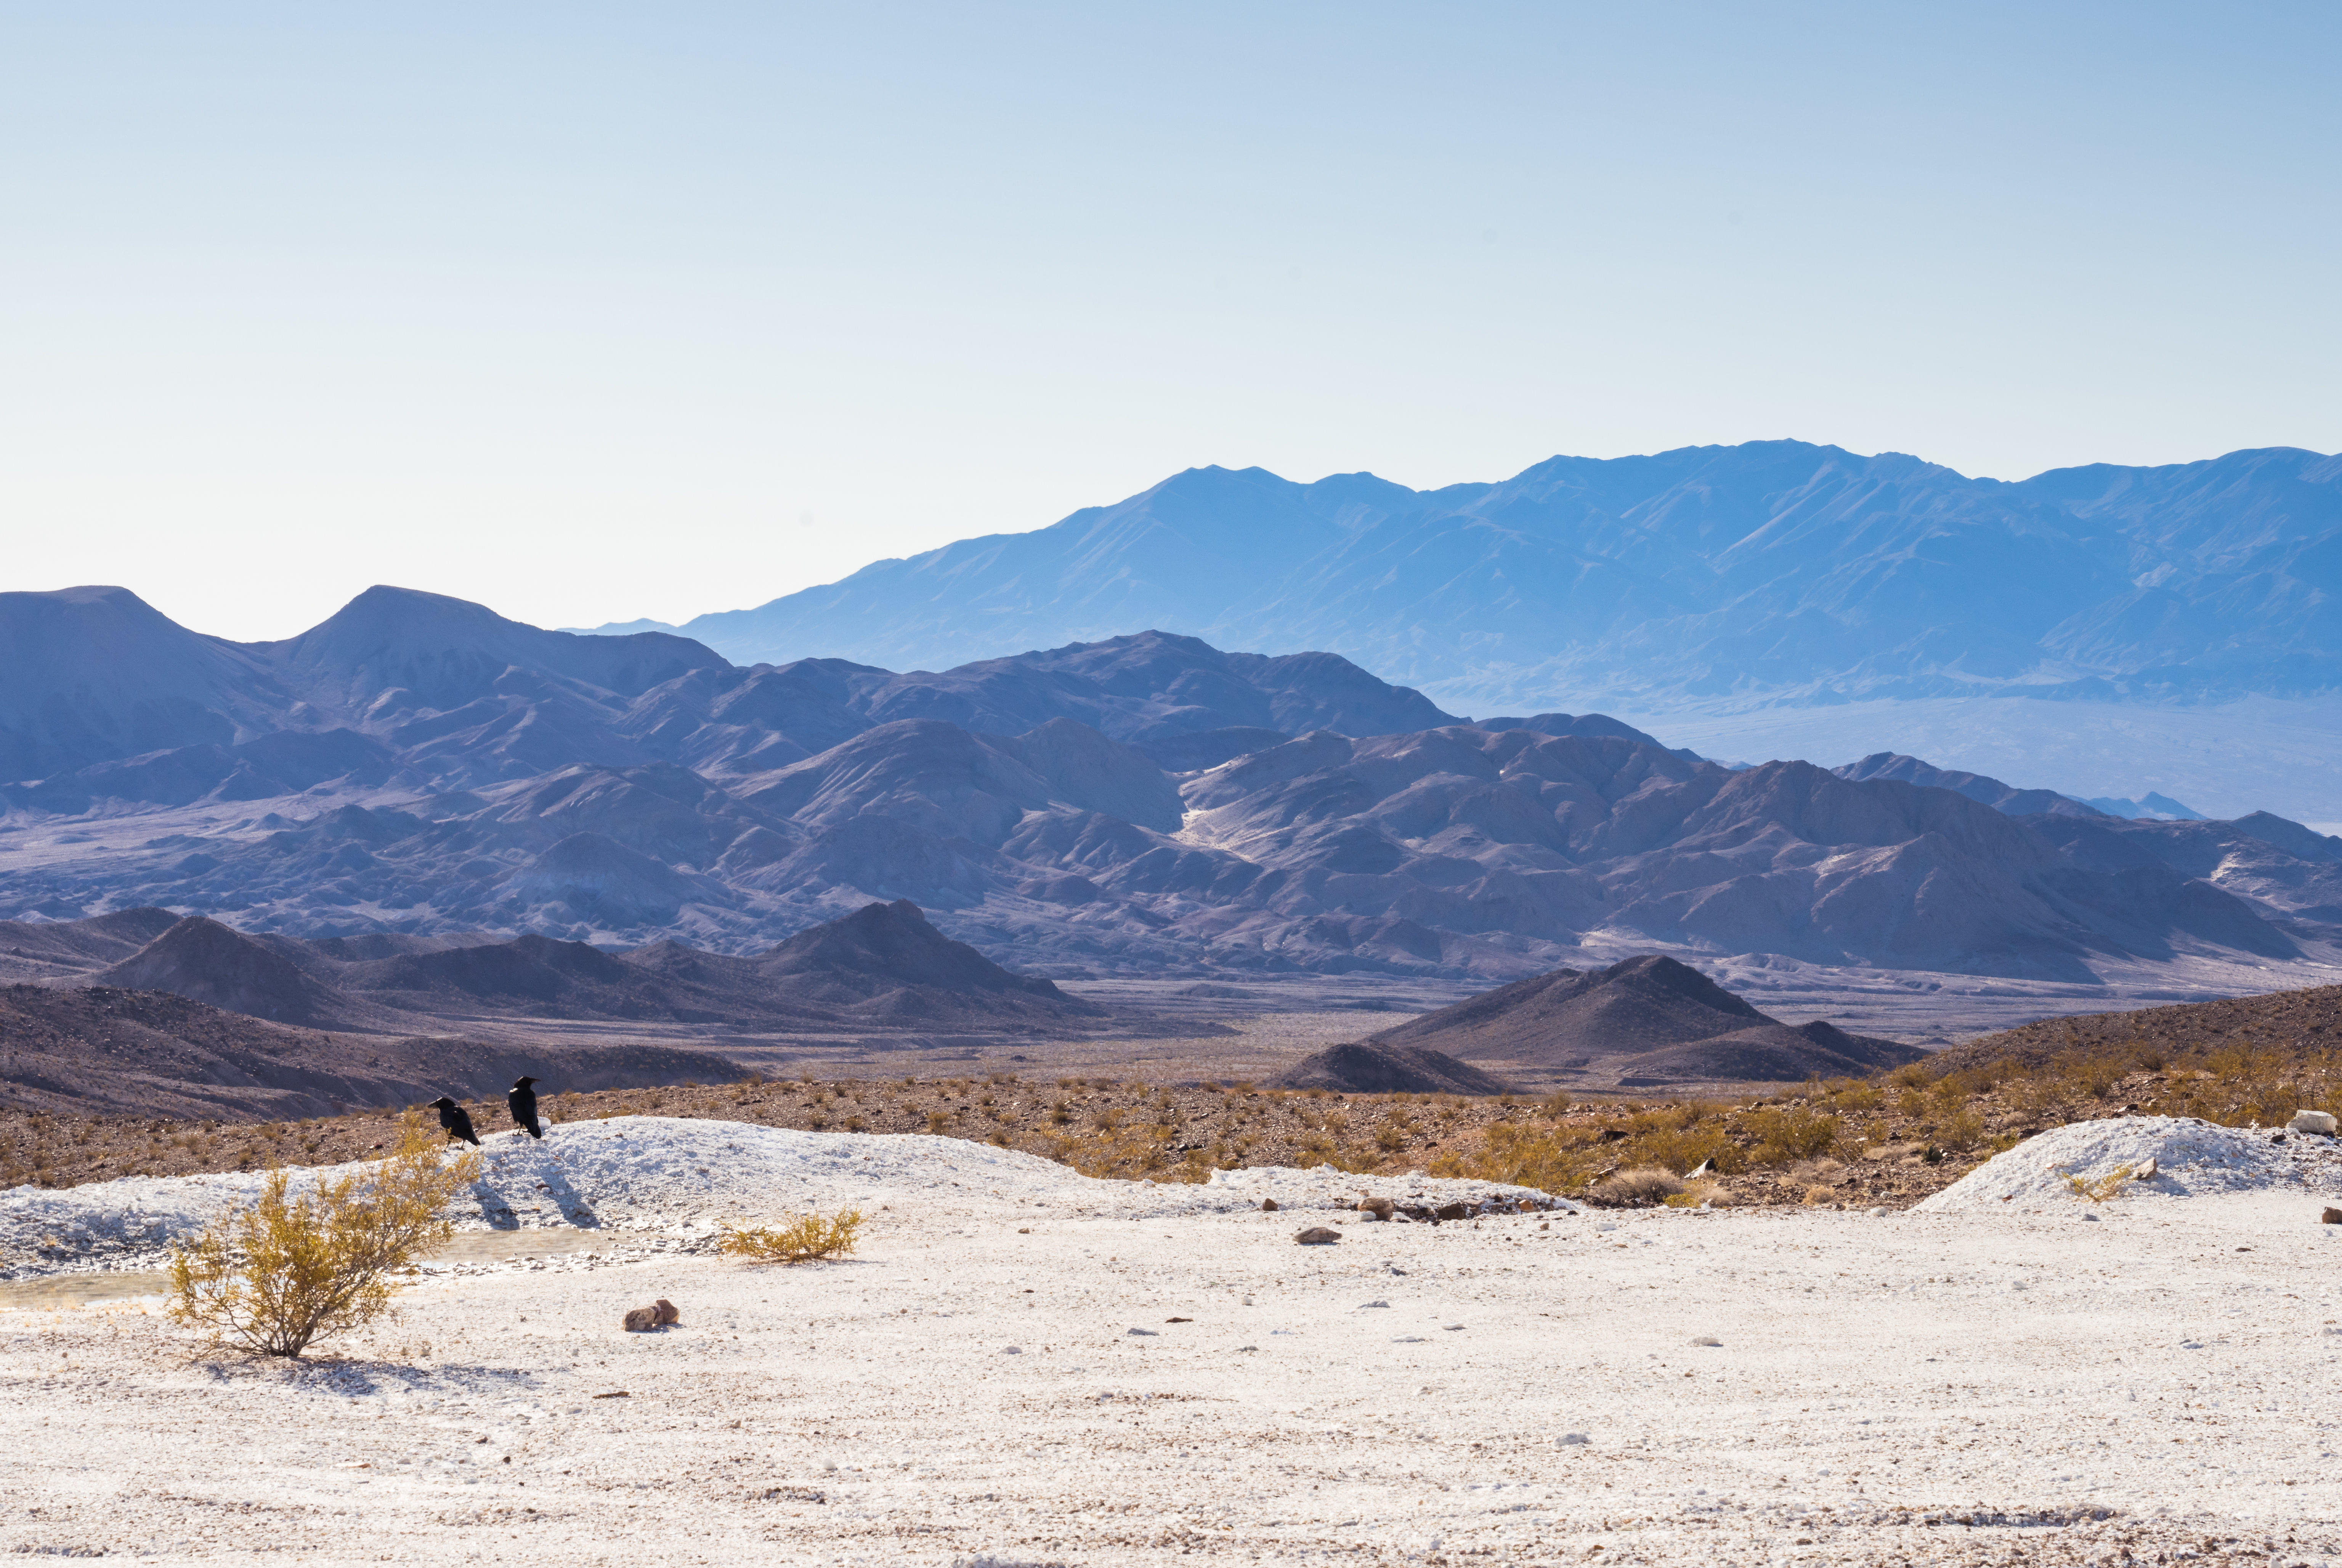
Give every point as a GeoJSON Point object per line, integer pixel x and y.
{"type": "Point", "coordinates": [1773, 569]}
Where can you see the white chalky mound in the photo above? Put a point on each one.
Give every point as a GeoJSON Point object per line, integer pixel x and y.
{"type": "Point", "coordinates": [2191, 1158]}
{"type": "Point", "coordinates": [686, 1175]}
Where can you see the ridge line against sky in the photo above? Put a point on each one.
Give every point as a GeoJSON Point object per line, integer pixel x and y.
{"type": "Point", "coordinates": [646, 622]}
{"type": "Point", "coordinates": [586, 312]}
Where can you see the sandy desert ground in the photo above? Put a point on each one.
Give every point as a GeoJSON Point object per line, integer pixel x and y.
{"type": "Point", "coordinates": [1024, 1367]}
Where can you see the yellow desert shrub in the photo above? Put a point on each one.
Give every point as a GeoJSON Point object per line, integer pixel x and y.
{"type": "Point", "coordinates": [1127, 1154]}
{"type": "Point", "coordinates": [2099, 1189]}
{"type": "Point", "coordinates": [2237, 1083]}
{"type": "Point", "coordinates": [801, 1241]}
{"type": "Point", "coordinates": [1701, 1193]}
{"type": "Point", "coordinates": [277, 1276]}
{"type": "Point", "coordinates": [1685, 1149]}
{"type": "Point", "coordinates": [1856, 1096]}
{"type": "Point", "coordinates": [1791, 1133]}
{"type": "Point", "coordinates": [1552, 1161]}
{"type": "Point", "coordinates": [1639, 1188]}
{"type": "Point", "coordinates": [1677, 1139]}
{"type": "Point", "coordinates": [1963, 1129]}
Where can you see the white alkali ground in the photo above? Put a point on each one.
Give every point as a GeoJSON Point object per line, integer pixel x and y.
{"type": "Point", "coordinates": [1020, 1366]}
{"type": "Point", "coordinates": [675, 1177]}
{"type": "Point", "coordinates": [2192, 1158]}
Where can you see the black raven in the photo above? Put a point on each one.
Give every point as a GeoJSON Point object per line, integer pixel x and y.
{"type": "Point", "coordinates": [452, 1117]}
{"type": "Point", "coordinates": [523, 1101]}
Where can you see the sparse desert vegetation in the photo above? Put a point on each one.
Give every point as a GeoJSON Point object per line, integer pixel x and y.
{"type": "Point", "coordinates": [1890, 1140]}
{"type": "Point", "coordinates": [803, 1239]}
{"type": "Point", "coordinates": [292, 1266]}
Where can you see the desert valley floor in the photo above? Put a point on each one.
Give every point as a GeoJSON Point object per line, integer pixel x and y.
{"type": "Point", "coordinates": [1024, 1367]}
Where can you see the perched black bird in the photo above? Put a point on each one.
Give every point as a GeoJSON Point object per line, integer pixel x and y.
{"type": "Point", "coordinates": [452, 1117]}
{"type": "Point", "coordinates": [523, 1101]}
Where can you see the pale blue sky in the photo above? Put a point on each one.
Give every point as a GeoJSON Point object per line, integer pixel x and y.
{"type": "Point", "coordinates": [591, 312]}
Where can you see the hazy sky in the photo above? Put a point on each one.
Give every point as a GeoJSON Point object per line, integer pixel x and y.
{"type": "Point", "coordinates": [591, 312]}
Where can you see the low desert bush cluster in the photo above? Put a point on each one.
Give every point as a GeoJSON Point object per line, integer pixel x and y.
{"type": "Point", "coordinates": [290, 1269]}
{"type": "Point", "coordinates": [2234, 1082]}
{"type": "Point", "coordinates": [1580, 1155]}
{"type": "Point", "coordinates": [1124, 1152]}
{"type": "Point", "coordinates": [1640, 1188]}
{"type": "Point", "coordinates": [1824, 1139]}
{"type": "Point", "coordinates": [802, 1240]}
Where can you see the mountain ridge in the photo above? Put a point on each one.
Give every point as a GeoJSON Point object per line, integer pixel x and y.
{"type": "Point", "coordinates": [1144, 805]}
{"type": "Point", "coordinates": [881, 966]}
{"type": "Point", "coordinates": [1779, 566]}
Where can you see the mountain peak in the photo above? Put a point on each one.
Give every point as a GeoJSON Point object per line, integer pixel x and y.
{"type": "Point", "coordinates": [447, 652]}
{"type": "Point", "coordinates": [888, 954]}
{"type": "Point", "coordinates": [92, 672]}
{"type": "Point", "coordinates": [203, 961]}
{"type": "Point", "coordinates": [1643, 1020]}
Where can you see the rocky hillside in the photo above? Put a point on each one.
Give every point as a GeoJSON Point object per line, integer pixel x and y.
{"type": "Point", "coordinates": [423, 775]}
{"type": "Point", "coordinates": [101, 1050]}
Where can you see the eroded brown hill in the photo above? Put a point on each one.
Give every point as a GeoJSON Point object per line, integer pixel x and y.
{"type": "Point", "coordinates": [1371, 1069]}
{"type": "Point", "coordinates": [151, 1054]}
{"type": "Point", "coordinates": [883, 967]}
{"type": "Point", "coordinates": [1647, 1022]}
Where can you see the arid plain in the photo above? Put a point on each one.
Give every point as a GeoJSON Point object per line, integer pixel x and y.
{"type": "Point", "coordinates": [1022, 1366]}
